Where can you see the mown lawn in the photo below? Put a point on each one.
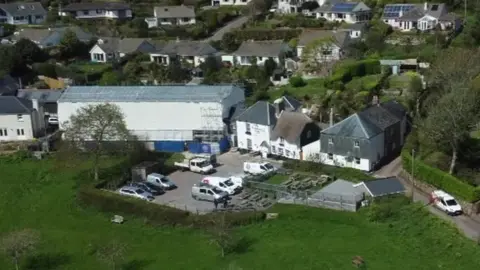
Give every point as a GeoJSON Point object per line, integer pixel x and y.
{"type": "Point", "coordinates": [313, 87]}
{"type": "Point", "coordinates": [37, 195]}
{"type": "Point", "coordinates": [277, 179]}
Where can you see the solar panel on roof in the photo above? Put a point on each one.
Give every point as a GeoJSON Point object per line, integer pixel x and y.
{"type": "Point", "coordinates": [343, 7]}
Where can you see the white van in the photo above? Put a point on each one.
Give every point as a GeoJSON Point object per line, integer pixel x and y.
{"type": "Point", "coordinates": [224, 184]}
{"type": "Point", "coordinates": [257, 168]}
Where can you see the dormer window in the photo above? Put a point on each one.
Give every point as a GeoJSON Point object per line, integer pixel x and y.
{"type": "Point", "coordinates": [356, 144]}
{"type": "Point", "coordinates": [330, 141]}
{"type": "Point", "coordinates": [32, 7]}
{"type": "Point", "coordinates": [21, 7]}
{"type": "Point", "coordinates": [282, 141]}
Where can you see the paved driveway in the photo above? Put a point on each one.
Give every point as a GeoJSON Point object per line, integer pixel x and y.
{"type": "Point", "coordinates": [238, 22]}
{"type": "Point", "coordinates": [470, 226]}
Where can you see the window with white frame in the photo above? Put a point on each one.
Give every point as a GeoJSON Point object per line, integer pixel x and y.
{"type": "Point", "coordinates": [20, 132]}
{"type": "Point", "coordinates": [20, 117]}
{"type": "Point", "coordinates": [280, 151]}
{"type": "Point", "coordinates": [356, 144]}
{"type": "Point", "coordinates": [99, 57]}
{"type": "Point", "coordinates": [273, 149]}
{"type": "Point", "coordinates": [330, 156]}
{"type": "Point", "coordinates": [330, 140]}
{"type": "Point", "coordinates": [287, 153]}
{"type": "Point", "coordinates": [282, 141]}
{"type": "Point", "coordinates": [3, 132]}
{"type": "Point", "coordinates": [357, 160]}
{"type": "Point", "coordinates": [248, 128]}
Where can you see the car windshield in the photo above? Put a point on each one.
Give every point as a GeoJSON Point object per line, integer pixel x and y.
{"type": "Point", "coordinates": [268, 166]}
{"type": "Point", "coordinates": [451, 202]}
{"type": "Point", "coordinates": [139, 191]}
{"type": "Point", "coordinates": [203, 164]}
{"type": "Point", "coordinates": [165, 180]}
{"type": "Point", "coordinates": [216, 190]}
{"type": "Point", "coordinates": [229, 183]}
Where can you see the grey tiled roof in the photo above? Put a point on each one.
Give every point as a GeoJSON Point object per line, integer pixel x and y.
{"type": "Point", "coordinates": [290, 125]}
{"type": "Point", "coordinates": [125, 45]}
{"type": "Point", "coordinates": [14, 105]}
{"type": "Point", "coordinates": [96, 5]}
{"type": "Point", "coordinates": [186, 48]}
{"type": "Point", "coordinates": [8, 84]}
{"type": "Point", "coordinates": [261, 113]}
{"type": "Point", "coordinates": [384, 186]}
{"type": "Point", "coordinates": [267, 48]}
{"type": "Point", "coordinates": [175, 12]}
{"type": "Point", "coordinates": [40, 95]}
{"type": "Point", "coordinates": [379, 116]}
{"type": "Point", "coordinates": [51, 37]}
{"type": "Point", "coordinates": [24, 8]}
{"type": "Point", "coordinates": [340, 38]}
{"type": "Point", "coordinates": [354, 126]}
{"type": "Point", "coordinates": [164, 93]}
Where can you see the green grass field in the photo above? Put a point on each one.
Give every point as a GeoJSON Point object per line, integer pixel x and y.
{"type": "Point", "coordinates": [277, 179]}
{"type": "Point", "coordinates": [39, 196]}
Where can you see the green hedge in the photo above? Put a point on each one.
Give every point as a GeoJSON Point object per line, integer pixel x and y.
{"type": "Point", "coordinates": [337, 172]}
{"type": "Point", "coordinates": [157, 214]}
{"type": "Point", "coordinates": [440, 179]}
{"type": "Point", "coordinates": [346, 72]}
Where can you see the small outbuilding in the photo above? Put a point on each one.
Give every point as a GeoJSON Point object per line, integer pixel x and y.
{"type": "Point", "coordinates": [382, 187]}
{"type": "Point", "coordinates": [339, 195]}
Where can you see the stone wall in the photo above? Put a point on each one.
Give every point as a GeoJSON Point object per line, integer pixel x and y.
{"type": "Point", "coordinates": [468, 208]}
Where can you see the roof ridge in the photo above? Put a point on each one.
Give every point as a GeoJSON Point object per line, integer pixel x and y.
{"type": "Point", "coordinates": [360, 121]}
{"type": "Point", "coordinates": [249, 108]}
{"type": "Point", "coordinates": [338, 123]}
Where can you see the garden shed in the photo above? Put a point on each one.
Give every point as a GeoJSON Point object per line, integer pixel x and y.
{"type": "Point", "coordinates": [382, 187]}
{"type": "Point", "coordinates": [339, 195]}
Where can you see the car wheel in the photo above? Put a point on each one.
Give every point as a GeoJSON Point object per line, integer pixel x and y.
{"type": "Point", "coordinates": [194, 197]}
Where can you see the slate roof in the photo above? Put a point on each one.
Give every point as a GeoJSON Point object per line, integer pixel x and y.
{"type": "Point", "coordinates": [169, 12]}
{"type": "Point", "coordinates": [163, 93]}
{"type": "Point", "coordinates": [51, 37]}
{"type": "Point", "coordinates": [384, 186]}
{"type": "Point", "coordinates": [290, 125]}
{"type": "Point", "coordinates": [261, 113]}
{"type": "Point", "coordinates": [49, 96]}
{"type": "Point", "coordinates": [96, 5]}
{"type": "Point", "coordinates": [24, 8]}
{"type": "Point", "coordinates": [340, 38]}
{"type": "Point", "coordinates": [342, 7]}
{"type": "Point", "coordinates": [125, 45]}
{"type": "Point", "coordinates": [264, 48]}
{"type": "Point", "coordinates": [292, 103]}
{"type": "Point", "coordinates": [8, 85]}
{"type": "Point", "coordinates": [14, 105]}
{"type": "Point", "coordinates": [379, 116]}
{"type": "Point", "coordinates": [413, 12]}
{"type": "Point", "coordinates": [185, 48]}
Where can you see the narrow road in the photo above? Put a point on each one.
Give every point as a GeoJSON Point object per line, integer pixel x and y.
{"type": "Point", "coordinates": [238, 22]}
{"type": "Point", "coordinates": [470, 226]}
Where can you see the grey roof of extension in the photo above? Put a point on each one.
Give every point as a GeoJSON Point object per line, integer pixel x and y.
{"type": "Point", "coordinates": [340, 38]}
{"type": "Point", "coordinates": [175, 12]}
{"type": "Point", "coordinates": [384, 186]}
{"type": "Point", "coordinates": [338, 187]}
{"type": "Point", "coordinates": [263, 48]}
{"type": "Point", "coordinates": [261, 113]}
{"type": "Point", "coordinates": [24, 8]}
{"type": "Point", "coordinates": [185, 48]}
{"type": "Point", "coordinates": [14, 105]}
{"type": "Point", "coordinates": [97, 5]}
{"type": "Point", "coordinates": [40, 95]}
{"type": "Point", "coordinates": [163, 93]}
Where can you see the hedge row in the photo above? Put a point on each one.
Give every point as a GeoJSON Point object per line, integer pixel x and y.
{"type": "Point", "coordinates": [346, 72]}
{"type": "Point", "coordinates": [156, 214]}
{"type": "Point", "coordinates": [440, 179]}
{"type": "Point", "coordinates": [337, 172]}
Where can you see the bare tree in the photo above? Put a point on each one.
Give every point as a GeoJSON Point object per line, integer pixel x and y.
{"type": "Point", "coordinates": [95, 127]}
{"type": "Point", "coordinates": [221, 233]}
{"type": "Point", "coordinates": [112, 254]}
{"type": "Point", "coordinates": [450, 121]}
{"type": "Point", "coordinates": [19, 243]}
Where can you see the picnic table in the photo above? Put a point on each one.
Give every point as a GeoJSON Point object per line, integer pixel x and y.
{"type": "Point", "coordinates": [287, 183]}
{"type": "Point", "coordinates": [256, 197]}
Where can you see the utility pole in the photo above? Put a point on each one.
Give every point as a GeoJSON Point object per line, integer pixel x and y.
{"type": "Point", "coordinates": [412, 177]}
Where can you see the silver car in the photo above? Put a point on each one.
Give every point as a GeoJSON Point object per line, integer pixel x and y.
{"type": "Point", "coordinates": [206, 192]}
{"type": "Point", "coordinates": [136, 192]}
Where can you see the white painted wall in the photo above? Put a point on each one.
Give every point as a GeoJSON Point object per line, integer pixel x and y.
{"type": "Point", "coordinates": [259, 134]}
{"type": "Point", "coordinates": [280, 147]}
{"type": "Point", "coordinates": [230, 2]}
{"type": "Point", "coordinates": [97, 50]}
{"type": "Point", "coordinates": [112, 14]}
{"type": "Point", "coordinates": [176, 21]}
{"type": "Point", "coordinates": [311, 152]}
{"type": "Point", "coordinates": [11, 123]}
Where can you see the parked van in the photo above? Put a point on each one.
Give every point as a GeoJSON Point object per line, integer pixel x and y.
{"type": "Point", "coordinates": [206, 192]}
{"type": "Point", "coordinates": [160, 180]}
{"type": "Point", "coordinates": [223, 183]}
{"type": "Point", "coordinates": [257, 168]}
{"type": "Point", "coordinates": [212, 158]}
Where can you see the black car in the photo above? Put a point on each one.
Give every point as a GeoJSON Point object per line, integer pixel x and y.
{"type": "Point", "coordinates": [154, 190]}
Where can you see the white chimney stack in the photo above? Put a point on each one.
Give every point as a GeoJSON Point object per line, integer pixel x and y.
{"type": "Point", "coordinates": [331, 116]}
{"type": "Point", "coordinates": [400, 14]}
{"type": "Point", "coordinates": [375, 100]}
{"type": "Point", "coordinates": [35, 104]}
{"type": "Point", "coordinates": [425, 6]}
{"type": "Point", "coordinates": [278, 103]}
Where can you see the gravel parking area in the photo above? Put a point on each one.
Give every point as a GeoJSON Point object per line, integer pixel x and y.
{"type": "Point", "coordinates": [230, 164]}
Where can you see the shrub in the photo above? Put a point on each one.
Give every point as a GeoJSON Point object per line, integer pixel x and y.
{"type": "Point", "coordinates": [385, 208]}
{"type": "Point", "coordinates": [336, 172]}
{"type": "Point", "coordinates": [440, 179]}
{"type": "Point", "coordinates": [297, 81]}
{"type": "Point", "coordinates": [346, 72]}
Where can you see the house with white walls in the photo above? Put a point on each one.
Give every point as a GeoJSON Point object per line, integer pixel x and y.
{"type": "Point", "coordinates": [365, 139]}
{"type": "Point", "coordinates": [295, 136]}
{"type": "Point", "coordinates": [187, 52]}
{"type": "Point", "coordinates": [258, 52]}
{"type": "Point", "coordinates": [97, 10]}
{"type": "Point", "coordinates": [409, 16]}
{"type": "Point", "coordinates": [20, 13]}
{"type": "Point", "coordinates": [109, 49]}
{"type": "Point", "coordinates": [20, 119]}
{"type": "Point", "coordinates": [172, 15]}
{"type": "Point", "coordinates": [230, 2]}
{"type": "Point", "coordinates": [349, 12]}
{"type": "Point", "coordinates": [255, 125]}
{"type": "Point", "coordinates": [322, 45]}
